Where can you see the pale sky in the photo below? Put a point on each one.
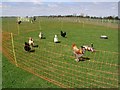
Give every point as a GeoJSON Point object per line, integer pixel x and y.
{"type": "Point", "coordinates": [59, 7]}
{"type": "Point", "coordinates": [60, 0]}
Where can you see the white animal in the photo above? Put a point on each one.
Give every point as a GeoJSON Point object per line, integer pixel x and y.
{"type": "Point", "coordinates": [56, 39]}
{"type": "Point", "coordinates": [40, 35]}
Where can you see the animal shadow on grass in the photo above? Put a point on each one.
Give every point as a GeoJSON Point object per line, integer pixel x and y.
{"type": "Point", "coordinates": [43, 38]}
{"type": "Point", "coordinates": [35, 46]}
{"type": "Point", "coordinates": [58, 42]}
{"type": "Point", "coordinates": [84, 59]}
{"type": "Point", "coordinates": [32, 51]}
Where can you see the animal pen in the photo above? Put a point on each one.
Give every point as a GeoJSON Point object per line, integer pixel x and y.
{"type": "Point", "coordinates": [55, 62]}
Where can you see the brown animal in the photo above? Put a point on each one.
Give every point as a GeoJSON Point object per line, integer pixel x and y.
{"type": "Point", "coordinates": [78, 52]}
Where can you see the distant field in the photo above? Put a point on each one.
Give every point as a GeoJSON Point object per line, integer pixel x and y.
{"type": "Point", "coordinates": [55, 62]}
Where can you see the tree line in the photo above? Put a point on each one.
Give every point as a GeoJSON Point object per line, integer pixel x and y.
{"type": "Point", "coordinates": [81, 16]}
{"type": "Point", "coordinates": [92, 17]}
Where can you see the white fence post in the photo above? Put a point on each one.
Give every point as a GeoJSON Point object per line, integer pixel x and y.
{"type": "Point", "coordinates": [13, 50]}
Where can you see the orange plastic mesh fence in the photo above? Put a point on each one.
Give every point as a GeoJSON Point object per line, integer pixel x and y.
{"type": "Point", "coordinates": [55, 63]}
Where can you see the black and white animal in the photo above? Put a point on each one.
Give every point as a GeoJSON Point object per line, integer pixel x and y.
{"type": "Point", "coordinates": [104, 37]}
{"type": "Point", "coordinates": [31, 42]}
{"type": "Point", "coordinates": [63, 34]}
{"type": "Point", "coordinates": [19, 22]}
{"type": "Point", "coordinates": [34, 18]}
{"type": "Point", "coordinates": [27, 47]}
{"type": "Point", "coordinates": [89, 48]}
{"type": "Point", "coordinates": [40, 35]}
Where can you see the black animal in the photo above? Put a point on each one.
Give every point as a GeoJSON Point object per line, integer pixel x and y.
{"type": "Point", "coordinates": [27, 47]}
{"type": "Point", "coordinates": [19, 22]}
{"type": "Point", "coordinates": [63, 34]}
{"type": "Point", "coordinates": [34, 18]}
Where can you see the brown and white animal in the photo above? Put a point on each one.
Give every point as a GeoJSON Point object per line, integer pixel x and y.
{"type": "Point", "coordinates": [78, 52]}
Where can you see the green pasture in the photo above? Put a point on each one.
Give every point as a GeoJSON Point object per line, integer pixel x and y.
{"type": "Point", "coordinates": [78, 33]}
{"type": "Point", "coordinates": [56, 61]}
{"type": "Point", "coordinates": [13, 77]}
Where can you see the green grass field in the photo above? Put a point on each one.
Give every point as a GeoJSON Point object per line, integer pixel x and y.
{"type": "Point", "coordinates": [17, 78]}
{"type": "Point", "coordinates": [55, 62]}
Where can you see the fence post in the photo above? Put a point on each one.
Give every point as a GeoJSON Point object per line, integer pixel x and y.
{"type": "Point", "coordinates": [40, 25]}
{"type": "Point", "coordinates": [13, 50]}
